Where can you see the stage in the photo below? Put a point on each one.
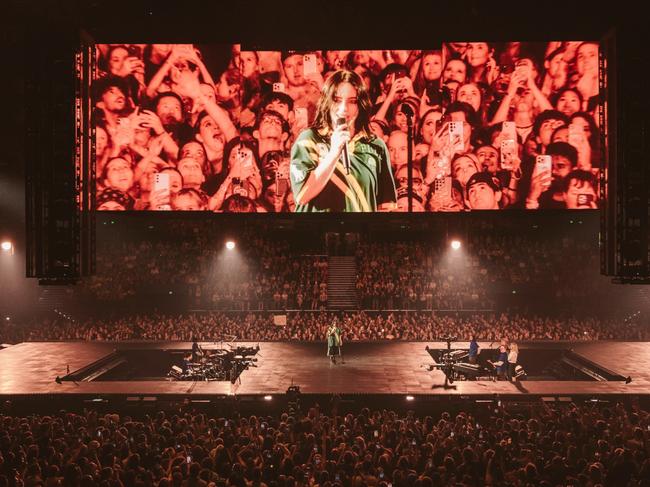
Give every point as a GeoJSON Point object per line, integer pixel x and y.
{"type": "Point", "coordinates": [377, 368]}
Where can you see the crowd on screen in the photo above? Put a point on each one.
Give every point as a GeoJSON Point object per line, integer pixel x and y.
{"type": "Point", "coordinates": [189, 127]}
{"type": "Point", "coordinates": [308, 326]}
{"type": "Point", "coordinates": [546, 445]}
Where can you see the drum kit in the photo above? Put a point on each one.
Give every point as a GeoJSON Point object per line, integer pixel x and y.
{"type": "Point", "coordinates": [211, 365]}
{"type": "Point", "coordinates": [216, 365]}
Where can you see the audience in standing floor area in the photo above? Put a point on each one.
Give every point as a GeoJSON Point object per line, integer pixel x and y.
{"type": "Point", "coordinates": [540, 444]}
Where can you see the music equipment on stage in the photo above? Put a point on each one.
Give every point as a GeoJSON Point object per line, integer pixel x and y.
{"type": "Point", "coordinates": [459, 354]}
{"type": "Point", "coordinates": [176, 372]}
{"type": "Point", "coordinates": [211, 365]}
{"type": "Point", "coordinates": [450, 362]}
{"type": "Point", "coordinates": [469, 370]}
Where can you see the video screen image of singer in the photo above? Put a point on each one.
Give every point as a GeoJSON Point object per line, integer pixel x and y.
{"type": "Point", "coordinates": [491, 126]}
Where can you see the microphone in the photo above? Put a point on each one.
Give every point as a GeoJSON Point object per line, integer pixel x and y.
{"type": "Point", "coordinates": [346, 157]}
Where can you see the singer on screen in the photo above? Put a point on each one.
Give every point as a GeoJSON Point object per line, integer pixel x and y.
{"type": "Point", "coordinates": [337, 164]}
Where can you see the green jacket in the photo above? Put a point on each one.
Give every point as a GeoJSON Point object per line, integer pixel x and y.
{"type": "Point", "coordinates": [334, 337]}
{"type": "Point", "coordinates": [369, 184]}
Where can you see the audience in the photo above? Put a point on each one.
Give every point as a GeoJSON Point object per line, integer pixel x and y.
{"type": "Point", "coordinates": [540, 444]}
{"type": "Point", "coordinates": [508, 266]}
{"type": "Point", "coordinates": [312, 326]}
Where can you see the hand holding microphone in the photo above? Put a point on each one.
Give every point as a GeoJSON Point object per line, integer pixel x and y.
{"type": "Point", "coordinates": [340, 139]}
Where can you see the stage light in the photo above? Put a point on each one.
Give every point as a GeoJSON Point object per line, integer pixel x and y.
{"type": "Point", "coordinates": [410, 398]}
{"type": "Point", "coordinates": [7, 246]}
{"type": "Point", "coordinates": [455, 244]}
{"type": "Point", "coordinates": [230, 245]}
{"type": "Point", "coordinates": [268, 398]}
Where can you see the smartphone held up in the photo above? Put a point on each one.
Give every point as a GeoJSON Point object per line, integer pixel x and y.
{"type": "Point", "coordinates": [161, 186]}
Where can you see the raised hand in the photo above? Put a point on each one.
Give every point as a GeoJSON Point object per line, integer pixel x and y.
{"type": "Point", "coordinates": [420, 151]}
{"type": "Point", "coordinates": [131, 65]}
{"type": "Point", "coordinates": [400, 88]}
{"type": "Point", "coordinates": [155, 147]}
{"type": "Point", "coordinates": [315, 79]}
{"type": "Point", "coordinates": [187, 85]}
{"type": "Point", "coordinates": [182, 51]}
{"type": "Point", "coordinates": [538, 184]}
{"type": "Point", "coordinates": [124, 133]}
{"type": "Point", "coordinates": [492, 70]}
{"type": "Point", "coordinates": [588, 84]}
{"type": "Point", "coordinates": [340, 137]}
{"type": "Point", "coordinates": [408, 85]}
{"type": "Point", "coordinates": [517, 80]}
{"type": "Point", "coordinates": [149, 119]}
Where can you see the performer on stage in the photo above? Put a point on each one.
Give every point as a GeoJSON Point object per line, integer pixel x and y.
{"type": "Point", "coordinates": [338, 164]}
{"type": "Point", "coordinates": [513, 358]}
{"type": "Point", "coordinates": [334, 341]}
{"type": "Point", "coordinates": [501, 364]}
{"type": "Point", "coordinates": [473, 350]}
{"type": "Point", "coordinates": [197, 351]}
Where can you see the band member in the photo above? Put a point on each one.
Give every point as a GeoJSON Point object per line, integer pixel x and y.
{"type": "Point", "coordinates": [334, 341]}
{"type": "Point", "coordinates": [501, 364]}
{"type": "Point", "coordinates": [197, 351]}
{"type": "Point", "coordinates": [187, 360]}
{"type": "Point", "coordinates": [320, 180]}
{"type": "Point", "coordinates": [513, 357]}
{"type": "Point", "coordinates": [473, 350]}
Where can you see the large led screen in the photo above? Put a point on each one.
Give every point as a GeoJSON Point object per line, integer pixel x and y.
{"type": "Point", "coordinates": [491, 126]}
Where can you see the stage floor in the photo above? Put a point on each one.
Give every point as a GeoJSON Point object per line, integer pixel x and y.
{"type": "Point", "coordinates": [377, 368]}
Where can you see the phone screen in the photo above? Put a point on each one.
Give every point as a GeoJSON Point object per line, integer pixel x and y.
{"type": "Point", "coordinates": [509, 130]}
{"type": "Point", "coordinates": [309, 64]}
{"type": "Point", "coordinates": [161, 183]}
{"type": "Point", "coordinates": [441, 190]}
{"type": "Point", "coordinates": [508, 153]}
{"type": "Point", "coordinates": [456, 136]}
{"type": "Point", "coordinates": [246, 159]}
{"type": "Point", "coordinates": [301, 116]}
{"type": "Point", "coordinates": [543, 164]}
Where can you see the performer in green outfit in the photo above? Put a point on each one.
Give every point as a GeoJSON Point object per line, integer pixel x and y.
{"type": "Point", "coordinates": [334, 341]}
{"type": "Point", "coordinates": [319, 179]}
